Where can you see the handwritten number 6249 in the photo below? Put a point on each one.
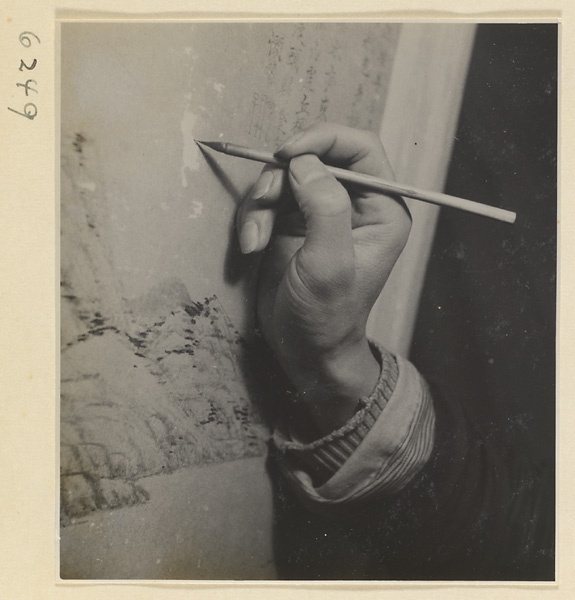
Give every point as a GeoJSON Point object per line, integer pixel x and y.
{"type": "Point", "coordinates": [30, 110]}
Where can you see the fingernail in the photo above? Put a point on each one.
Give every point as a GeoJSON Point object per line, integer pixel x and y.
{"type": "Point", "coordinates": [290, 142]}
{"type": "Point", "coordinates": [263, 185]}
{"type": "Point", "coordinates": [249, 237]}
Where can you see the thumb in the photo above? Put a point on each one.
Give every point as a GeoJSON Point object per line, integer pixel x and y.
{"type": "Point", "coordinates": [327, 252]}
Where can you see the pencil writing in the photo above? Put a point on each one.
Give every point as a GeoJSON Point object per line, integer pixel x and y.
{"type": "Point", "coordinates": [30, 110]}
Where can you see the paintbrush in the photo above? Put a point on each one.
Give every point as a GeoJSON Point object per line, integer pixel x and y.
{"type": "Point", "coordinates": [370, 182]}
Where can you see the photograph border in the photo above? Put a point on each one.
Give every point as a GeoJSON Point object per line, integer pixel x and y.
{"type": "Point", "coordinates": [34, 378]}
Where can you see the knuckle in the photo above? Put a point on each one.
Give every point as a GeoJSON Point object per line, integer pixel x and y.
{"type": "Point", "coordinates": [320, 126]}
{"type": "Point", "coordinates": [371, 139]}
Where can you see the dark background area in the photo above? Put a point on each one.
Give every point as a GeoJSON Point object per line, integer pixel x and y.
{"type": "Point", "coordinates": [486, 328]}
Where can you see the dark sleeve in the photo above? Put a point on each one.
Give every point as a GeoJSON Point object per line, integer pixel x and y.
{"type": "Point", "coordinates": [465, 509]}
{"type": "Point", "coordinates": [376, 455]}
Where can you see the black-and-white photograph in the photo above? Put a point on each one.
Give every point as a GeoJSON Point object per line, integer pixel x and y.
{"type": "Point", "coordinates": [308, 300]}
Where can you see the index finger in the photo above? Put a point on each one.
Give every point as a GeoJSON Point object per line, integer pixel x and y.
{"type": "Point", "coordinates": [338, 145]}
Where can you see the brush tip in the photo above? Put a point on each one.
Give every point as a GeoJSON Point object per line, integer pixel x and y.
{"type": "Point", "coordinates": [213, 145]}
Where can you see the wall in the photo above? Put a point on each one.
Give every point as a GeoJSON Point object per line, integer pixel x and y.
{"type": "Point", "coordinates": [161, 420]}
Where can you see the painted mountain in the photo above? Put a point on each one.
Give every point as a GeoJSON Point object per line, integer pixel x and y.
{"type": "Point", "coordinates": [148, 385]}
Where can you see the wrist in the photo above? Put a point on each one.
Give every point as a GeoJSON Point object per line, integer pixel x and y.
{"type": "Point", "coordinates": [330, 384]}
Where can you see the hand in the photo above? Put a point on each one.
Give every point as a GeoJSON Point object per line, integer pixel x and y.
{"type": "Point", "coordinates": [330, 254]}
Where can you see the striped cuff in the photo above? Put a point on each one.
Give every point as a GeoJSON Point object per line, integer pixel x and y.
{"type": "Point", "coordinates": [389, 457]}
{"type": "Point", "coordinates": [324, 457]}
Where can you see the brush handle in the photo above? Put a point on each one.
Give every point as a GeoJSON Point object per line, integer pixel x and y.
{"type": "Point", "coordinates": [375, 184]}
